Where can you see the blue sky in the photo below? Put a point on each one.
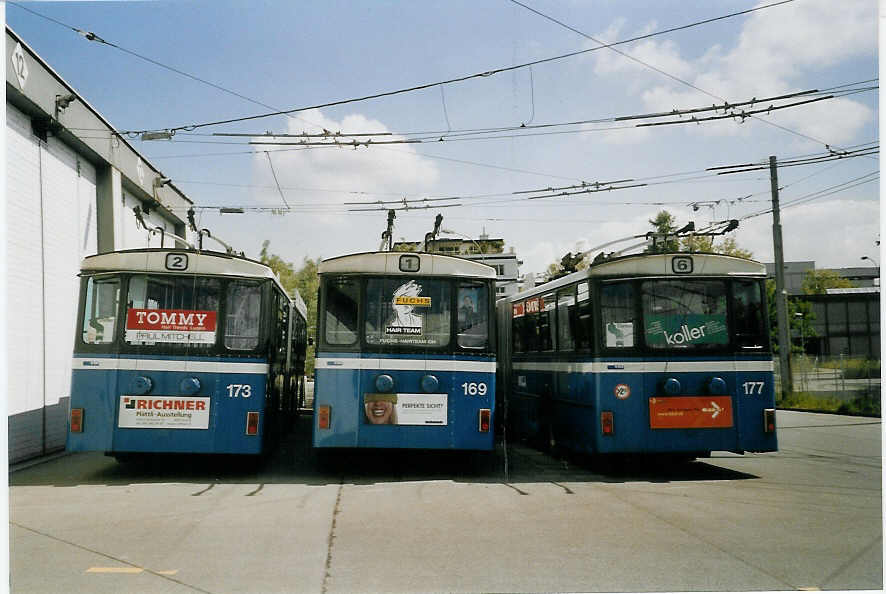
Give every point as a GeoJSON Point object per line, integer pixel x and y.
{"type": "Point", "coordinates": [287, 55]}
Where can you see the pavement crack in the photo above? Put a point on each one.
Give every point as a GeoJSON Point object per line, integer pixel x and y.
{"type": "Point", "coordinates": [850, 561]}
{"type": "Point", "coordinates": [709, 542]}
{"type": "Point", "coordinates": [564, 487]}
{"type": "Point", "coordinates": [198, 493]}
{"type": "Point", "coordinates": [158, 574]}
{"type": "Point", "coordinates": [521, 492]}
{"type": "Point", "coordinates": [331, 539]}
{"type": "Point", "coordinates": [260, 487]}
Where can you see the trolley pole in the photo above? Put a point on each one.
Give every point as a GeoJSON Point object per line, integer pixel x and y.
{"type": "Point", "coordinates": [781, 306]}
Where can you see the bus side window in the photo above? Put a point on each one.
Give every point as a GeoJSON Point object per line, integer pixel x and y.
{"type": "Point", "coordinates": [340, 322]}
{"type": "Point", "coordinates": [617, 312]}
{"type": "Point", "coordinates": [530, 333]}
{"type": "Point", "coordinates": [747, 308]}
{"type": "Point", "coordinates": [282, 324]}
{"type": "Point", "coordinates": [243, 314]}
{"type": "Point", "coordinates": [580, 320]}
{"type": "Point", "coordinates": [565, 313]}
{"type": "Point", "coordinates": [100, 317]}
{"type": "Point", "coordinates": [546, 318]}
{"type": "Point", "coordinates": [473, 316]}
{"type": "Point", "coordinates": [517, 338]}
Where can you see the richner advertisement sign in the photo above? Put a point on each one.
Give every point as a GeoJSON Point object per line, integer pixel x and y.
{"type": "Point", "coordinates": [183, 326]}
{"type": "Point", "coordinates": [164, 412]}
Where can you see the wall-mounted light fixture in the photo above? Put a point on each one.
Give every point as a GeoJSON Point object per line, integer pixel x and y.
{"type": "Point", "coordinates": [62, 102]}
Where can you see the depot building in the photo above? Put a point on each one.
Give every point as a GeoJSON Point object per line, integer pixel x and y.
{"type": "Point", "coordinates": [72, 183]}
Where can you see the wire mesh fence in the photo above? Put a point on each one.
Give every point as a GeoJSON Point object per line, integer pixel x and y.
{"type": "Point", "coordinates": [832, 384]}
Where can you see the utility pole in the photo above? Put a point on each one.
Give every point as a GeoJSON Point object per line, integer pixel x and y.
{"type": "Point", "coordinates": [781, 306]}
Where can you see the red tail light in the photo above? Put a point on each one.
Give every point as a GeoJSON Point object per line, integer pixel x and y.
{"type": "Point", "coordinates": [324, 416]}
{"type": "Point", "coordinates": [769, 420]}
{"type": "Point", "coordinates": [76, 420]}
{"type": "Point", "coordinates": [484, 420]}
{"type": "Point", "coordinates": [607, 422]}
{"type": "Point", "coordinates": [252, 423]}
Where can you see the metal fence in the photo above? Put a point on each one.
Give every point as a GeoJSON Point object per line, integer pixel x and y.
{"type": "Point", "coordinates": [840, 378]}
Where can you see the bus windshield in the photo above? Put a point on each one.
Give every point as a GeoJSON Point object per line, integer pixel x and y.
{"type": "Point", "coordinates": [175, 311]}
{"type": "Point", "coordinates": [684, 313]}
{"type": "Point", "coordinates": [403, 311]}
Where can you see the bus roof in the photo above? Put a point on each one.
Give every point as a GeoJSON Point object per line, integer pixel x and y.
{"type": "Point", "coordinates": [390, 263]}
{"type": "Point", "coordinates": [643, 265]}
{"type": "Point", "coordinates": [156, 260]}
{"type": "Point", "coordinates": [299, 303]}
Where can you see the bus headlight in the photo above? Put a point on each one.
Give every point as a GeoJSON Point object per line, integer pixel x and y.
{"type": "Point", "coordinates": [429, 383]}
{"type": "Point", "coordinates": [717, 385]}
{"type": "Point", "coordinates": [671, 386]}
{"type": "Point", "coordinates": [384, 383]}
{"type": "Point", "coordinates": [189, 385]}
{"type": "Point", "coordinates": [140, 385]}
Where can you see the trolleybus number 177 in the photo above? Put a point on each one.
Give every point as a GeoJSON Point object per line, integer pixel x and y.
{"type": "Point", "coordinates": [474, 388]}
{"type": "Point", "coordinates": [751, 388]}
{"type": "Point", "coordinates": [239, 390]}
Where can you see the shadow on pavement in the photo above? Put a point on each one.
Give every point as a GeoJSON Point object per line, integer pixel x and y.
{"type": "Point", "coordinates": [294, 461]}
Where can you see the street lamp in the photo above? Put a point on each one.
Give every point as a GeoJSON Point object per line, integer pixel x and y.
{"type": "Point", "coordinates": [875, 264]}
{"type": "Point", "coordinates": [799, 315]}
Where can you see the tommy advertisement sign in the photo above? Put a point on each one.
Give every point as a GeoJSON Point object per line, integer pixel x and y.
{"type": "Point", "coordinates": [150, 326]}
{"type": "Point", "coordinates": [164, 412]}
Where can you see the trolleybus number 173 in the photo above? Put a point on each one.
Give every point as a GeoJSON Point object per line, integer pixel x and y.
{"type": "Point", "coordinates": [751, 388]}
{"type": "Point", "coordinates": [474, 388]}
{"type": "Point", "coordinates": [239, 390]}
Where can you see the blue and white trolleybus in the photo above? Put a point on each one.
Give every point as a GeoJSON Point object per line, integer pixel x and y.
{"type": "Point", "coordinates": [642, 354]}
{"type": "Point", "coordinates": [405, 354]}
{"type": "Point", "coordinates": [181, 351]}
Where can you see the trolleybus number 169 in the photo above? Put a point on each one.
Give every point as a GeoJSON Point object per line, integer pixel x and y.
{"type": "Point", "coordinates": [474, 388]}
{"type": "Point", "coordinates": [239, 390]}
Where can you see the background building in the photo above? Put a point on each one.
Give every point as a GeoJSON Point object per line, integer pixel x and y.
{"type": "Point", "coordinates": [71, 185]}
{"type": "Point", "coordinates": [487, 251]}
{"type": "Point", "coordinates": [846, 321]}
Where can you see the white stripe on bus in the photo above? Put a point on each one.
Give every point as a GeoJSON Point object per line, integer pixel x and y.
{"type": "Point", "coordinates": [643, 366]}
{"type": "Point", "coordinates": [406, 364]}
{"type": "Point", "coordinates": [80, 363]}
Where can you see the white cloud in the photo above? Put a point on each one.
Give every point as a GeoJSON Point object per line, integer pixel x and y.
{"type": "Point", "coordinates": [316, 182]}
{"type": "Point", "coordinates": [850, 227]}
{"type": "Point", "coordinates": [776, 49]}
{"type": "Point", "coordinates": [376, 169]}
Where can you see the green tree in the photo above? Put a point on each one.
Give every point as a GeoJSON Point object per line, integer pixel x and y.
{"type": "Point", "coordinates": [800, 317]}
{"type": "Point", "coordinates": [730, 247]}
{"type": "Point", "coordinates": [816, 282]}
{"type": "Point", "coordinates": [663, 223]}
{"type": "Point", "coordinates": [306, 281]}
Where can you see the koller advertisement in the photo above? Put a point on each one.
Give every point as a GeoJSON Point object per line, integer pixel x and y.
{"type": "Point", "coordinates": [675, 331]}
{"type": "Point", "coordinates": [164, 412]}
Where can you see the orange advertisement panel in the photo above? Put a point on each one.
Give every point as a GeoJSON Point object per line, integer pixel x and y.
{"type": "Point", "coordinates": [690, 412]}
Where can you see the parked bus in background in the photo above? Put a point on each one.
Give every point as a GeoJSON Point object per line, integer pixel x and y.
{"type": "Point", "coordinates": [405, 353]}
{"type": "Point", "coordinates": [183, 351]}
{"type": "Point", "coordinates": [642, 354]}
